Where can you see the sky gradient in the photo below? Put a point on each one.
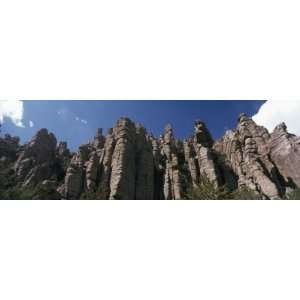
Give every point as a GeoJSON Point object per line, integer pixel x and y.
{"type": "Point", "coordinates": [76, 121]}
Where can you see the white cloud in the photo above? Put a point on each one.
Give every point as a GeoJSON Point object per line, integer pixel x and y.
{"type": "Point", "coordinates": [81, 120]}
{"type": "Point", "coordinates": [272, 113]}
{"type": "Point", "coordinates": [65, 114]}
{"type": "Point", "coordinates": [68, 115]}
{"type": "Point", "coordinates": [12, 109]}
{"type": "Point", "coordinates": [31, 124]}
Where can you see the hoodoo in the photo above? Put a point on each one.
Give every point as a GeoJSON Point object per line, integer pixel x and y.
{"type": "Point", "coordinates": [129, 163]}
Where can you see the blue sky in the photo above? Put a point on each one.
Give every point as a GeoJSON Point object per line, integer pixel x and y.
{"type": "Point", "coordinates": [76, 121]}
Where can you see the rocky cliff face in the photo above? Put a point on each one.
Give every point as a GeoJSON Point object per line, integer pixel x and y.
{"type": "Point", "coordinates": [248, 152]}
{"type": "Point", "coordinates": [129, 163]}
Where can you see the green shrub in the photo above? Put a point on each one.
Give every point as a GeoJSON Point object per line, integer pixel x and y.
{"type": "Point", "coordinates": [208, 191]}
{"type": "Point", "coordinates": [294, 195]}
{"type": "Point", "coordinates": [91, 195]}
{"type": "Point", "coordinates": [245, 194]}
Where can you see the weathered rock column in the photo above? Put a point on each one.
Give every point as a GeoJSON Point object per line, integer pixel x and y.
{"type": "Point", "coordinates": [144, 185]}
{"type": "Point", "coordinates": [122, 182]}
{"type": "Point", "coordinates": [203, 143]}
{"type": "Point", "coordinates": [35, 161]}
{"type": "Point", "coordinates": [285, 153]}
{"type": "Point", "coordinates": [172, 182]}
{"type": "Point", "coordinates": [190, 157]}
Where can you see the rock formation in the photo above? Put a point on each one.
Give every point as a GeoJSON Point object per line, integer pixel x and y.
{"type": "Point", "coordinates": [123, 167]}
{"type": "Point", "coordinates": [285, 154]}
{"type": "Point", "coordinates": [172, 188]}
{"type": "Point", "coordinates": [129, 163]}
{"type": "Point", "coordinates": [247, 150]}
{"type": "Point", "coordinates": [36, 161]}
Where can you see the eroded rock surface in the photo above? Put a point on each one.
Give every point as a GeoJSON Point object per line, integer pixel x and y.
{"type": "Point", "coordinates": [129, 163]}
{"type": "Point", "coordinates": [247, 150]}
{"type": "Point", "coordinates": [285, 154]}
{"type": "Point", "coordinates": [36, 161]}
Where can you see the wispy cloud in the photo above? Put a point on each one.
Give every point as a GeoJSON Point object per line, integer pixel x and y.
{"type": "Point", "coordinates": [31, 124]}
{"type": "Point", "coordinates": [81, 120]}
{"type": "Point", "coordinates": [12, 109]}
{"type": "Point", "coordinates": [68, 115]}
{"type": "Point", "coordinates": [63, 112]}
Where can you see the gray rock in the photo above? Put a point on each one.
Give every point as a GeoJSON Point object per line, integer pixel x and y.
{"type": "Point", "coordinates": [73, 185]}
{"type": "Point", "coordinates": [172, 185]}
{"type": "Point", "coordinates": [35, 162]}
{"type": "Point", "coordinates": [285, 153]}
{"type": "Point", "coordinates": [123, 168]}
{"type": "Point", "coordinates": [92, 172]}
{"type": "Point", "coordinates": [247, 151]}
{"type": "Point", "coordinates": [144, 183]}
{"type": "Point", "coordinates": [129, 163]}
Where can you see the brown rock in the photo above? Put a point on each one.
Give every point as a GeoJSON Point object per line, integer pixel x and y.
{"type": "Point", "coordinates": [247, 151]}
{"type": "Point", "coordinates": [73, 185]}
{"type": "Point", "coordinates": [62, 149]}
{"type": "Point", "coordinates": [92, 172]}
{"type": "Point", "coordinates": [128, 163]}
{"type": "Point", "coordinates": [172, 186]}
{"type": "Point", "coordinates": [190, 157]}
{"type": "Point", "coordinates": [122, 182]}
{"type": "Point", "coordinates": [105, 164]}
{"type": "Point", "coordinates": [285, 153]}
{"type": "Point", "coordinates": [204, 160]}
{"type": "Point", "coordinates": [35, 161]}
{"type": "Point", "coordinates": [144, 184]}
